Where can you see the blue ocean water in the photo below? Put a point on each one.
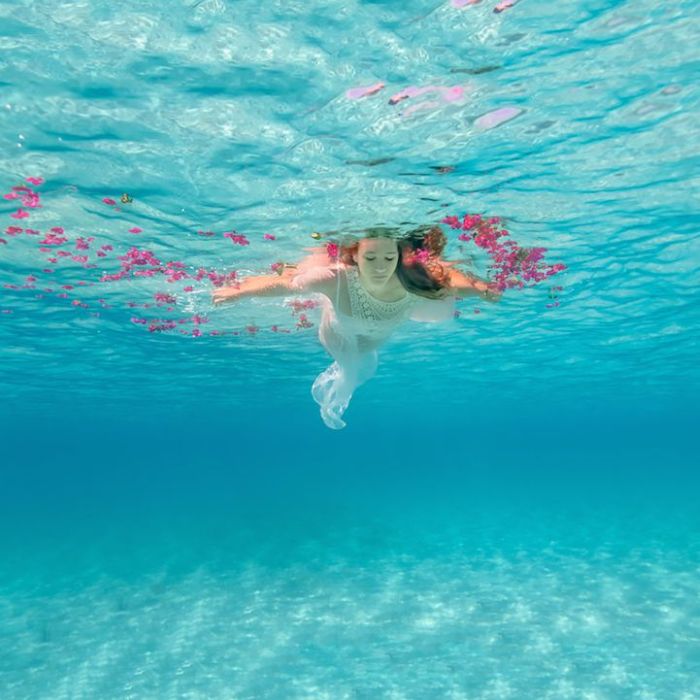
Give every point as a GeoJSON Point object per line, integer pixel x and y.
{"type": "Point", "coordinates": [512, 510]}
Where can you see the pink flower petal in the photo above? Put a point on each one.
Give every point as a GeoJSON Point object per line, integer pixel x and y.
{"type": "Point", "coordinates": [504, 5]}
{"type": "Point", "coordinates": [109, 201]}
{"type": "Point", "coordinates": [464, 3]}
{"type": "Point", "coordinates": [453, 94]}
{"type": "Point", "coordinates": [35, 180]}
{"type": "Point", "coordinates": [428, 104]}
{"type": "Point", "coordinates": [358, 92]}
{"type": "Point", "coordinates": [497, 117]}
{"type": "Point", "coordinates": [20, 214]}
{"type": "Point", "coordinates": [411, 91]}
{"type": "Point", "coordinates": [136, 229]}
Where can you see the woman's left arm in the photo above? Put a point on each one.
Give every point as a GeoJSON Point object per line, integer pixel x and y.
{"type": "Point", "coordinates": [465, 285]}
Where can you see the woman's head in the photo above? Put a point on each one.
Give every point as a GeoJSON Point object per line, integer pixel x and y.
{"type": "Point", "coordinates": [376, 259]}
{"type": "Point", "coordinates": [413, 257]}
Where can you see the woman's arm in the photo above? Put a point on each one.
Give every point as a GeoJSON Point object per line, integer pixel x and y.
{"type": "Point", "coordinates": [322, 281]}
{"type": "Point", "coordinates": [260, 286]}
{"type": "Point", "coordinates": [464, 285]}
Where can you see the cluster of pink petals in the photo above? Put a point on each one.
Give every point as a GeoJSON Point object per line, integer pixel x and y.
{"type": "Point", "coordinates": [304, 322]}
{"type": "Point", "coordinates": [157, 326]}
{"type": "Point", "coordinates": [236, 238]}
{"type": "Point", "coordinates": [163, 298]}
{"type": "Point", "coordinates": [31, 200]}
{"type": "Point", "coordinates": [83, 243]}
{"type": "Point", "coordinates": [420, 255]}
{"type": "Point", "coordinates": [173, 275]}
{"type": "Point", "coordinates": [27, 196]}
{"type": "Point", "coordinates": [55, 237]}
{"type": "Point", "coordinates": [134, 257]}
{"type": "Point", "coordinates": [513, 265]}
{"type": "Point", "coordinates": [298, 305]}
{"type": "Point", "coordinates": [332, 250]}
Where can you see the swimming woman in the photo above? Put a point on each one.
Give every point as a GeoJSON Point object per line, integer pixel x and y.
{"type": "Point", "coordinates": [367, 289]}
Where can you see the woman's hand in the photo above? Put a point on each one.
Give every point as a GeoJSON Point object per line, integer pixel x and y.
{"type": "Point", "coordinates": [224, 294]}
{"type": "Point", "coordinates": [491, 293]}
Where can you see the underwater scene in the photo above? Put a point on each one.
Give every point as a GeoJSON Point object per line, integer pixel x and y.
{"type": "Point", "coordinates": [349, 350]}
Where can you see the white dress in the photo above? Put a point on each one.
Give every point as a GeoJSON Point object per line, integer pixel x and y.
{"type": "Point", "coordinates": [352, 339]}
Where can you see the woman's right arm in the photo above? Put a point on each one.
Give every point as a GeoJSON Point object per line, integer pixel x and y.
{"type": "Point", "coordinates": [312, 282]}
{"type": "Point", "coordinates": [260, 286]}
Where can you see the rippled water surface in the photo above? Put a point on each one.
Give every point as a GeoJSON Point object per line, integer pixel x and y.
{"type": "Point", "coordinates": [512, 509]}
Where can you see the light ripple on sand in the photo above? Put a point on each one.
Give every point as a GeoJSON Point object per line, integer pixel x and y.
{"type": "Point", "coordinates": [449, 627]}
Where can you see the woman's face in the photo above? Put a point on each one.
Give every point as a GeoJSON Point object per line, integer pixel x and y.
{"type": "Point", "coordinates": [377, 259]}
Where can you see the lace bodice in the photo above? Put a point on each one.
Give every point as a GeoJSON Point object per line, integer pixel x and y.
{"type": "Point", "coordinates": [374, 312]}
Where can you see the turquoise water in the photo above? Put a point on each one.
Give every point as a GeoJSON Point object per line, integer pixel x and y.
{"type": "Point", "coordinates": [512, 510]}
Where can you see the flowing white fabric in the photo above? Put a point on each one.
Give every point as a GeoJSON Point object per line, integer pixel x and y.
{"type": "Point", "coordinates": [352, 339]}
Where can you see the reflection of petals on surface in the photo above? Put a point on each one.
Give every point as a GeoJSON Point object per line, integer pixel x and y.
{"type": "Point", "coordinates": [431, 104]}
{"type": "Point", "coordinates": [405, 93]}
{"type": "Point", "coordinates": [504, 5]}
{"type": "Point", "coordinates": [464, 3]}
{"type": "Point", "coordinates": [449, 94]}
{"type": "Point", "coordinates": [453, 94]}
{"type": "Point", "coordinates": [358, 92]}
{"type": "Point", "coordinates": [498, 116]}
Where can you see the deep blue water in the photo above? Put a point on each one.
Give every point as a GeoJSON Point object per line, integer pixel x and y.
{"type": "Point", "coordinates": [512, 510]}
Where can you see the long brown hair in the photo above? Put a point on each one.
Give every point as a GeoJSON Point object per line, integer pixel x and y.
{"type": "Point", "coordinates": [419, 268]}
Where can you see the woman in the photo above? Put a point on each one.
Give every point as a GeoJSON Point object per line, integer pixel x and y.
{"type": "Point", "coordinates": [369, 288]}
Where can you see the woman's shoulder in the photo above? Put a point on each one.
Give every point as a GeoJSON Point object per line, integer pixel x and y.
{"type": "Point", "coordinates": [318, 278]}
